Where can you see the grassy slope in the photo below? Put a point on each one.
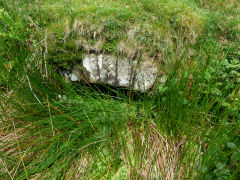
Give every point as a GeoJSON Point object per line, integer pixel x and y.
{"type": "Point", "coordinates": [159, 30]}
{"type": "Point", "coordinates": [185, 129]}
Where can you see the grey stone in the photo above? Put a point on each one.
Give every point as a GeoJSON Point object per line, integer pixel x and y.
{"type": "Point", "coordinates": [116, 71]}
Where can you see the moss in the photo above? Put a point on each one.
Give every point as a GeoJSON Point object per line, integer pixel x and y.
{"type": "Point", "coordinates": [65, 55]}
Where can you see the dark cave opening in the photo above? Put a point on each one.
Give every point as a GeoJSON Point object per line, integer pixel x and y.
{"type": "Point", "coordinates": [110, 91]}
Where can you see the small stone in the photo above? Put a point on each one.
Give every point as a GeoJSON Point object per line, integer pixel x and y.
{"type": "Point", "coordinates": [73, 77]}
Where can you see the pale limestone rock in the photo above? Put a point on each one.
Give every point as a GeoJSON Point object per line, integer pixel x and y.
{"type": "Point", "coordinates": [73, 77]}
{"type": "Point", "coordinates": [115, 71]}
{"type": "Point", "coordinates": [146, 75]}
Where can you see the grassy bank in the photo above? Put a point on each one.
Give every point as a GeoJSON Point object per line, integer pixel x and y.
{"type": "Point", "coordinates": [185, 128]}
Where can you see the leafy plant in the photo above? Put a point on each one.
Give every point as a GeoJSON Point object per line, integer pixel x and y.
{"type": "Point", "coordinates": [109, 47]}
{"type": "Point", "coordinates": [225, 78]}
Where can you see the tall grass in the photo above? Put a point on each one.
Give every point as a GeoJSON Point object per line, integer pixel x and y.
{"type": "Point", "coordinates": [185, 128]}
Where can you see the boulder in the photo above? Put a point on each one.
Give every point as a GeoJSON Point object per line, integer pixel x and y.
{"type": "Point", "coordinates": [115, 70]}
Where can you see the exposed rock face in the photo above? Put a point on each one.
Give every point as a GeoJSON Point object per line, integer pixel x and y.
{"type": "Point", "coordinates": [116, 71]}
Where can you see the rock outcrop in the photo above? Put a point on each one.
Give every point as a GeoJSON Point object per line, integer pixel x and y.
{"type": "Point", "coordinates": [115, 71]}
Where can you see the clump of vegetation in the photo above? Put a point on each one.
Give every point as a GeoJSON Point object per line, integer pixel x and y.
{"type": "Point", "coordinates": [65, 56]}
{"type": "Point", "coordinates": [156, 28]}
{"type": "Point", "coordinates": [187, 127]}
